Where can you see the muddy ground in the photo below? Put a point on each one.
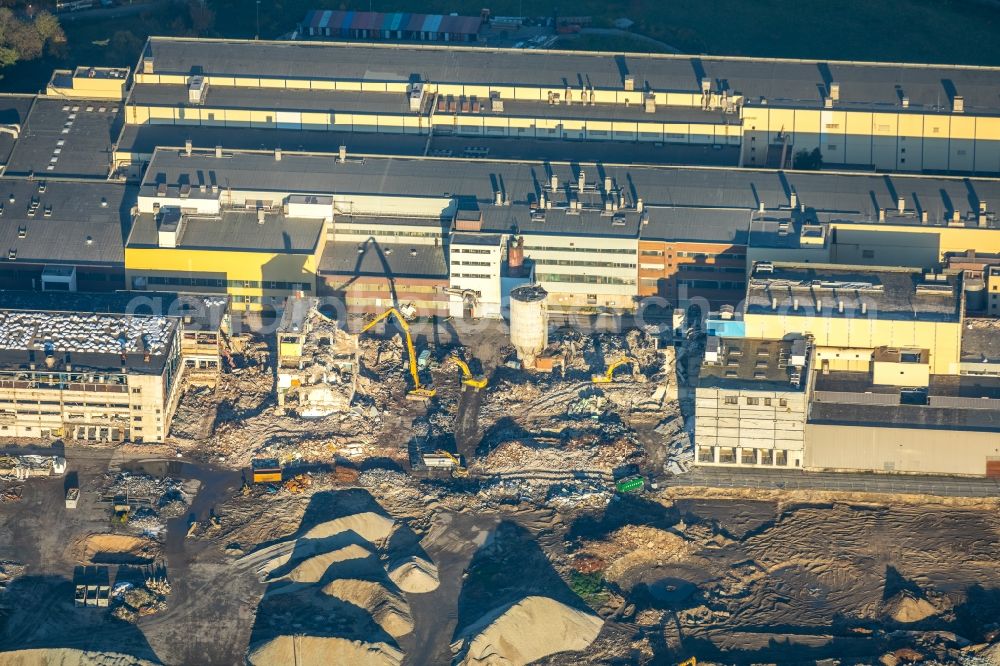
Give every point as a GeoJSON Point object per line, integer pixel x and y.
{"type": "Point", "coordinates": [729, 581]}
{"type": "Point", "coordinates": [752, 577]}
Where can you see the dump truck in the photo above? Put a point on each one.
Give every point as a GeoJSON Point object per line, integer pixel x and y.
{"type": "Point", "coordinates": [632, 484]}
{"type": "Point", "coordinates": [266, 470]}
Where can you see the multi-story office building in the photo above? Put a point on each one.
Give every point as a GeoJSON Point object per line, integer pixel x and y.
{"type": "Point", "coordinates": [750, 402]}
{"type": "Point", "coordinates": [88, 376]}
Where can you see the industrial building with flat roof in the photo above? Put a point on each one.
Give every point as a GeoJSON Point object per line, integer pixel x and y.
{"type": "Point", "coordinates": [750, 402]}
{"type": "Point", "coordinates": [106, 377]}
{"type": "Point", "coordinates": [598, 235]}
{"type": "Point", "coordinates": [889, 117]}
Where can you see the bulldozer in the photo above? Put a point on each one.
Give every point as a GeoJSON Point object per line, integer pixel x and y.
{"type": "Point", "coordinates": [468, 379]}
{"type": "Point", "coordinates": [419, 391]}
{"type": "Point", "coordinates": [608, 375]}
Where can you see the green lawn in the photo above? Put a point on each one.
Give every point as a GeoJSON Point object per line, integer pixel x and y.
{"type": "Point", "coordinates": [956, 31]}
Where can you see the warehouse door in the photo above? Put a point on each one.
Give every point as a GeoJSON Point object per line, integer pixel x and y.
{"type": "Point", "coordinates": [993, 467]}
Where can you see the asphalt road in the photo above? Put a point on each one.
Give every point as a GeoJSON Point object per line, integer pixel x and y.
{"type": "Point", "coordinates": [946, 486]}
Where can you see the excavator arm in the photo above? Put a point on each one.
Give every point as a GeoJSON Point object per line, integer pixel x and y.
{"type": "Point", "coordinates": [467, 378]}
{"type": "Point", "coordinates": [418, 390]}
{"type": "Point", "coordinates": [608, 375]}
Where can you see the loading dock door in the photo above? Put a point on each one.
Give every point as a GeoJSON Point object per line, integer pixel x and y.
{"type": "Point", "coordinates": [993, 468]}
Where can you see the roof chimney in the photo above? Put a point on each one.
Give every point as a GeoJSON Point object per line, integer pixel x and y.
{"type": "Point", "coordinates": [819, 305]}
{"type": "Point", "coordinates": [906, 102]}
{"type": "Point", "coordinates": [639, 205]}
{"type": "Point", "coordinates": [881, 214]}
{"type": "Point", "coordinates": [774, 302]}
{"type": "Point", "coordinates": [760, 208]}
{"type": "Point", "coordinates": [498, 198]}
{"type": "Point", "coordinates": [793, 199]}
{"type": "Point", "coordinates": [900, 205]}
{"type": "Point", "coordinates": [958, 104]}
{"type": "Point", "coordinates": [629, 83]}
{"type": "Point", "coordinates": [607, 183]}
{"type": "Point", "coordinates": [840, 307]}
{"type": "Point", "coordinates": [187, 147]}
{"type": "Point", "coordinates": [218, 152]}
{"type": "Point", "coordinates": [277, 154]}
{"type": "Point", "coordinates": [342, 154]}
{"type": "Point", "coordinates": [554, 182]}
{"type": "Point", "coordinates": [581, 183]}
{"type": "Point", "coordinates": [260, 216]}
{"type": "Point", "coordinates": [923, 217]}
{"type": "Point", "coordinates": [835, 91]}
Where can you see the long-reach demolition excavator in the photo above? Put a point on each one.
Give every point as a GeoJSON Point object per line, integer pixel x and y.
{"type": "Point", "coordinates": [608, 375]}
{"type": "Point", "coordinates": [418, 392]}
{"type": "Point", "coordinates": [467, 377]}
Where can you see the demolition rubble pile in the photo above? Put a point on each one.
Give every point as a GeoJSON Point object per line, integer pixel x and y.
{"type": "Point", "coordinates": [9, 571]}
{"type": "Point", "coordinates": [317, 362]}
{"type": "Point", "coordinates": [84, 333]}
{"type": "Point", "coordinates": [153, 500]}
{"type": "Point", "coordinates": [351, 566]}
{"type": "Point", "coordinates": [130, 602]}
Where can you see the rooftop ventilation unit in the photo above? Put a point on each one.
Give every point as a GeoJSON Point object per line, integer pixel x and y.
{"type": "Point", "coordinates": [416, 96]}
{"type": "Point", "coordinates": [835, 91]}
{"type": "Point", "coordinates": [197, 89]}
{"type": "Point", "coordinates": [629, 83]}
{"type": "Point", "coordinates": [958, 104]}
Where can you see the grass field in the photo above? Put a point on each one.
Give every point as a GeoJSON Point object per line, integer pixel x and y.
{"type": "Point", "coordinates": [958, 31]}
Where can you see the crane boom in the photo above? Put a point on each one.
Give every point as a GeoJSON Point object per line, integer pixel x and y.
{"type": "Point", "coordinates": [418, 390]}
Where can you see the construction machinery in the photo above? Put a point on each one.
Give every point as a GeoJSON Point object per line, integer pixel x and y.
{"type": "Point", "coordinates": [418, 392]}
{"type": "Point", "coordinates": [467, 377]}
{"type": "Point", "coordinates": [608, 375]}
{"type": "Point", "coordinates": [442, 458]}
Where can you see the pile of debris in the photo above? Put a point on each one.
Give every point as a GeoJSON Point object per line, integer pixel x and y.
{"type": "Point", "coordinates": [583, 452]}
{"type": "Point", "coordinates": [8, 572]}
{"type": "Point", "coordinates": [29, 466]}
{"type": "Point", "coordinates": [130, 602]}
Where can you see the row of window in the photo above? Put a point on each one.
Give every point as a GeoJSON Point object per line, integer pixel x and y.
{"type": "Point", "coordinates": [584, 279]}
{"type": "Point", "coordinates": [469, 250]}
{"type": "Point", "coordinates": [471, 263]}
{"type": "Point", "coordinates": [219, 283]}
{"type": "Point", "coordinates": [730, 455]}
{"type": "Point", "coordinates": [478, 276]}
{"type": "Point", "coordinates": [591, 264]}
{"type": "Point", "coordinates": [595, 250]}
{"type": "Point", "coordinates": [376, 233]}
{"type": "Point", "coordinates": [734, 400]}
{"type": "Point", "coordinates": [695, 255]}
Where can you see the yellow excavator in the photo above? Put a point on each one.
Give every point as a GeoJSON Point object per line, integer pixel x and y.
{"type": "Point", "coordinates": [458, 469]}
{"type": "Point", "coordinates": [467, 377]}
{"type": "Point", "coordinates": [608, 375]}
{"type": "Point", "coordinates": [418, 392]}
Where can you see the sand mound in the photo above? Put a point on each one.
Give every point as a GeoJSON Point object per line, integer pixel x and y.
{"type": "Point", "coordinates": [905, 607]}
{"type": "Point", "coordinates": [311, 569]}
{"type": "Point", "coordinates": [115, 548]}
{"type": "Point", "coordinates": [388, 610]}
{"type": "Point", "coordinates": [368, 525]}
{"type": "Point", "coordinates": [526, 631]}
{"type": "Point", "coordinates": [323, 651]}
{"type": "Point", "coordinates": [415, 575]}
{"type": "Point", "coordinates": [69, 657]}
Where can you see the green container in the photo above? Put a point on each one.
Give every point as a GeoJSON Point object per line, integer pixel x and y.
{"type": "Point", "coordinates": [630, 485]}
